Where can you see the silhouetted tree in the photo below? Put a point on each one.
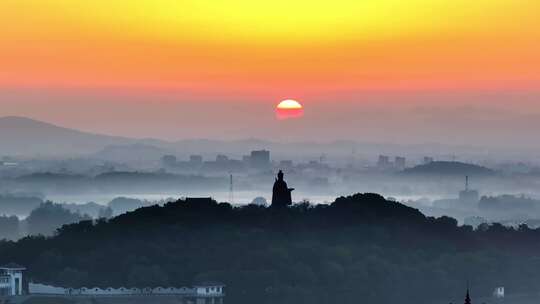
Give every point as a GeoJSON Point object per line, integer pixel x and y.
{"type": "Point", "coordinates": [49, 216]}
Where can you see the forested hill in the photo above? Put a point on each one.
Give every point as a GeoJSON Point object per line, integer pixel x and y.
{"type": "Point", "coordinates": [361, 248]}
{"type": "Point", "coordinates": [449, 168]}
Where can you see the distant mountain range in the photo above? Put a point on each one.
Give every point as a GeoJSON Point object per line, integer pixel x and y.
{"type": "Point", "coordinates": [26, 137]}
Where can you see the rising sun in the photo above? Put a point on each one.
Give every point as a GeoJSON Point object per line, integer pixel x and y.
{"type": "Point", "coordinates": [289, 108]}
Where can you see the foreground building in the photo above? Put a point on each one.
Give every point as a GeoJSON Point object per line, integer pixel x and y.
{"type": "Point", "coordinates": [204, 293]}
{"type": "Point", "coordinates": [498, 293]}
{"type": "Point", "coordinates": [11, 276]}
{"type": "Point", "coordinates": [11, 285]}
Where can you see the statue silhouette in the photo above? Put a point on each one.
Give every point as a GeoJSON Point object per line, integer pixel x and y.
{"type": "Point", "coordinates": [281, 194]}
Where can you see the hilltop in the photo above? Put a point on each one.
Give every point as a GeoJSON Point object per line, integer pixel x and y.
{"type": "Point", "coordinates": [452, 168]}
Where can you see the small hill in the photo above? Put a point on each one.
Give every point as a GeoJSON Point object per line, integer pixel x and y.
{"type": "Point", "coordinates": [449, 168]}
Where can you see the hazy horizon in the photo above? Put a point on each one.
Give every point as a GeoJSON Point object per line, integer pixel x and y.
{"type": "Point", "coordinates": [479, 119]}
{"type": "Point", "coordinates": [400, 72]}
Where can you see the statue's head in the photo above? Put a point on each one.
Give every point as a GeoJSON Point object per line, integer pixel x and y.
{"type": "Point", "coordinates": [280, 175]}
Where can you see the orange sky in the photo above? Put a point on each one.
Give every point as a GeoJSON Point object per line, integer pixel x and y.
{"type": "Point", "coordinates": [270, 47]}
{"type": "Point", "coordinates": [456, 71]}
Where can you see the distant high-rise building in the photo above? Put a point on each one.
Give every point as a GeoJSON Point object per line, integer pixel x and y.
{"type": "Point", "coordinates": [220, 158]}
{"type": "Point", "coordinates": [260, 159]}
{"type": "Point", "coordinates": [195, 159]}
{"type": "Point", "coordinates": [168, 160]}
{"type": "Point", "coordinates": [383, 162]}
{"type": "Point", "coordinates": [428, 160]}
{"type": "Point", "coordinates": [399, 162]}
{"type": "Point", "coordinates": [286, 164]}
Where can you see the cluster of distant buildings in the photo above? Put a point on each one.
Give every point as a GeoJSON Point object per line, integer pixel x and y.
{"type": "Point", "coordinates": [399, 163]}
{"type": "Point", "coordinates": [384, 163]}
{"type": "Point", "coordinates": [11, 285]}
{"type": "Point", "coordinates": [258, 159]}
{"type": "Point", "coordinates": [212, 290]}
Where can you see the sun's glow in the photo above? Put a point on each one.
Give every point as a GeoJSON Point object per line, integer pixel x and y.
{"type": "Point", "coordinates": [289, 104]}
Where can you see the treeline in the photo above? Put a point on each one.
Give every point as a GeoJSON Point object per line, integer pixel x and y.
{"type": "Point", "coordinates": [361, 248]}
{"type": "Point", "coordinates": [18, 204]}
{"type": "Point", "coordinates": [115, 182]}
{"type": "Point", "coordinates": [44, 220]}
{"type": "Point", "coordinates": [44, 217]}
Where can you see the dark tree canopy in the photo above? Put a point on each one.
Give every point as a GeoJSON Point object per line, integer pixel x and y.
{"type": "Point", "coordinates": [361, 248]}
{"type": "Point", "coordinates": [49, 216]}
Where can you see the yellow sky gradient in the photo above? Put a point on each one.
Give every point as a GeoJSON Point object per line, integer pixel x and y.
{"type": "Point", "coordinates": [296, 47]}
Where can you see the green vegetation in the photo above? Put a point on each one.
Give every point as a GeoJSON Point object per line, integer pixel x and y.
{"type": "Point", "coordinates": [360, 248]}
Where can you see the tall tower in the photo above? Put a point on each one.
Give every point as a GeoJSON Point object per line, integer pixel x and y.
{"type": "Point", "coordinates": [468, 195]}
{"type": "Point", "coordinates": [231, 190]}
{"type": "Point", "coordinates": [467, 297]}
